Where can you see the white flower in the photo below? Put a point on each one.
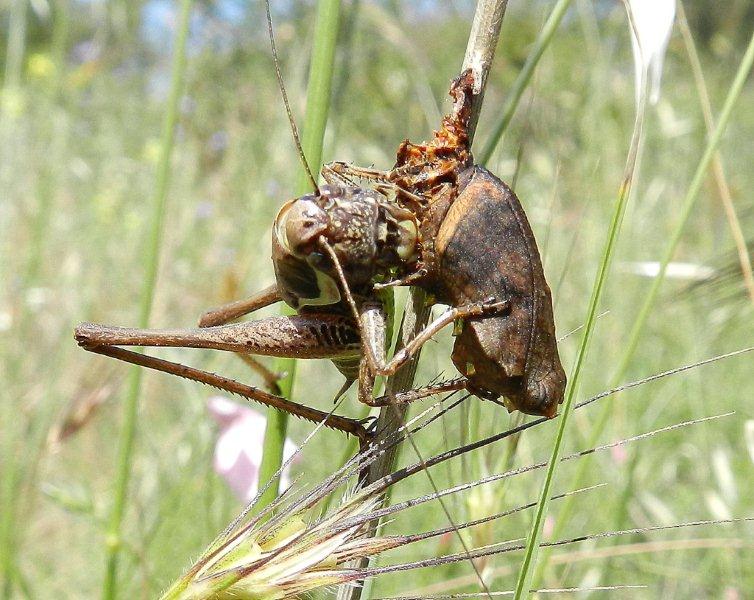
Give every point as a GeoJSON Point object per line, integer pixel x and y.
{"type": "Point", "coordinates": [652, 25]}
{"type": "Point", "coordinates": [238, 453]}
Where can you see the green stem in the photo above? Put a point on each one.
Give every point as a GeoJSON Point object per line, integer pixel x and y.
{"type": "Point", "coordinates": [11, 472]}
{"type": "Point", "coordinates": [16, 44]}
{"type": "Point", "coordinates": [59, 43]}
{"type": "Point", "coordinates": [151, 259]}
{"type": "Point", "coordinates": [523, 79]}
{"type": "Point", "coordinates": [319, 87]}
{"type": "Point", "coordinates": [317, 108]}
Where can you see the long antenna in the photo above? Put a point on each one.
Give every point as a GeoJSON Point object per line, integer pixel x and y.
{"type": "Point", "coordinates": [281, 85]}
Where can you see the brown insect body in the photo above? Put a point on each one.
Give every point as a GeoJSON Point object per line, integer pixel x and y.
{"type": "Point", "coordinates": [477, 245]}
{"type": "Point", "coordinates": [485, 248]}
{"type": "Point", "coordinates": [372, 238]}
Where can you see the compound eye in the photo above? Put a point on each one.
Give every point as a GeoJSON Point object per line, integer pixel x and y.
{"type": "Point", "coordinates": [304, 223]}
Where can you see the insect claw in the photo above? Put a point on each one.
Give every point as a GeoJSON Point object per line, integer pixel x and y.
{"type": "Point", "coordinates": [491, 306]}
{"type": "Point", "coordinates": [343, 389]}
{"type": "Point", "coordinates": [411, 279]}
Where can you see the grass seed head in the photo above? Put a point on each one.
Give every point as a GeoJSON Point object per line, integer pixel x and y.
{"type": "Point", "coordinates": [292, 558]}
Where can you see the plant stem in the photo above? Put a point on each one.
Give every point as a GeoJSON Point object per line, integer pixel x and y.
{"type": "Point", "coordinates": [16, 44]}
{"type": "Point", "coordinates": [317, 108]}
{"type": "Point", "coordinates": [113, 539]}
{"type": "Point", "coordinates": [480, 50]}
{"type": "Point", "coordinates": [523, 79]}
{"type": "Point", "coordinates": [11, 472]}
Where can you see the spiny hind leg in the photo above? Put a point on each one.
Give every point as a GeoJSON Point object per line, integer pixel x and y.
{"type": "Point", "coordinates": [298, 336]}
{"type": "Point", "coordinates": [313, 335]}
{"type": "Point", "coordinates": [344, 424]}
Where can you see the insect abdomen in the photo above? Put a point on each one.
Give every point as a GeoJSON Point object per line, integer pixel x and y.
{"type": "Point", "coordinates": [486, 249]}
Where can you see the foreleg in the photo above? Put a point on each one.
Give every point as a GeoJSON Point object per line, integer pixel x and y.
{"type": "Point", "coordinates": [233, 310]}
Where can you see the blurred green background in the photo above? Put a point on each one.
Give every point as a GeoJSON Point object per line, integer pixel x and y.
{"type": "Point", "coordinates": [84, 92]}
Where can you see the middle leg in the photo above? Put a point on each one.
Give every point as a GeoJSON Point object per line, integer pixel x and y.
{"type": "Point", "coordinates": [233, 310]}
{"type": "Point", "coordinates": [373, 331]}
{"type": "Point", "coordinates": [451, 385]}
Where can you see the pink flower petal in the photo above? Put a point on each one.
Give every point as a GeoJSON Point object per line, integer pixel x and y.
{"type": "Point", "coordinates": [619, 454]}
{"type": "Point", "coordinates": [238, 452]}
{"type": "Point", "coordinates": [223, 410]}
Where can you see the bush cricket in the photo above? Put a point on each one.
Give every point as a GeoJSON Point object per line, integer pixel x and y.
{"type": "Point", "coordinates": [435, 220]}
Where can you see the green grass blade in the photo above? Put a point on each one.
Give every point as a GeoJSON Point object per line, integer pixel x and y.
{"type": "Point", "coordinates": [688, 204]}
{"type": "Point", "coordinates": [691, 195]}
{"type": "Point", "coordinates": [113, 540]}
{"type": "Point", "coordinates": [317, 108]}
{"type": "Point", "coordinates": [523, 79]}
{"type": "Point", "coordinates": [526, 574]}
{"type": "Point", "coordinates": [16, 45]}
{"type": "Point", "coordinates": [319, 88]}
{"type": "Point", "coordinates": [14, 56]}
